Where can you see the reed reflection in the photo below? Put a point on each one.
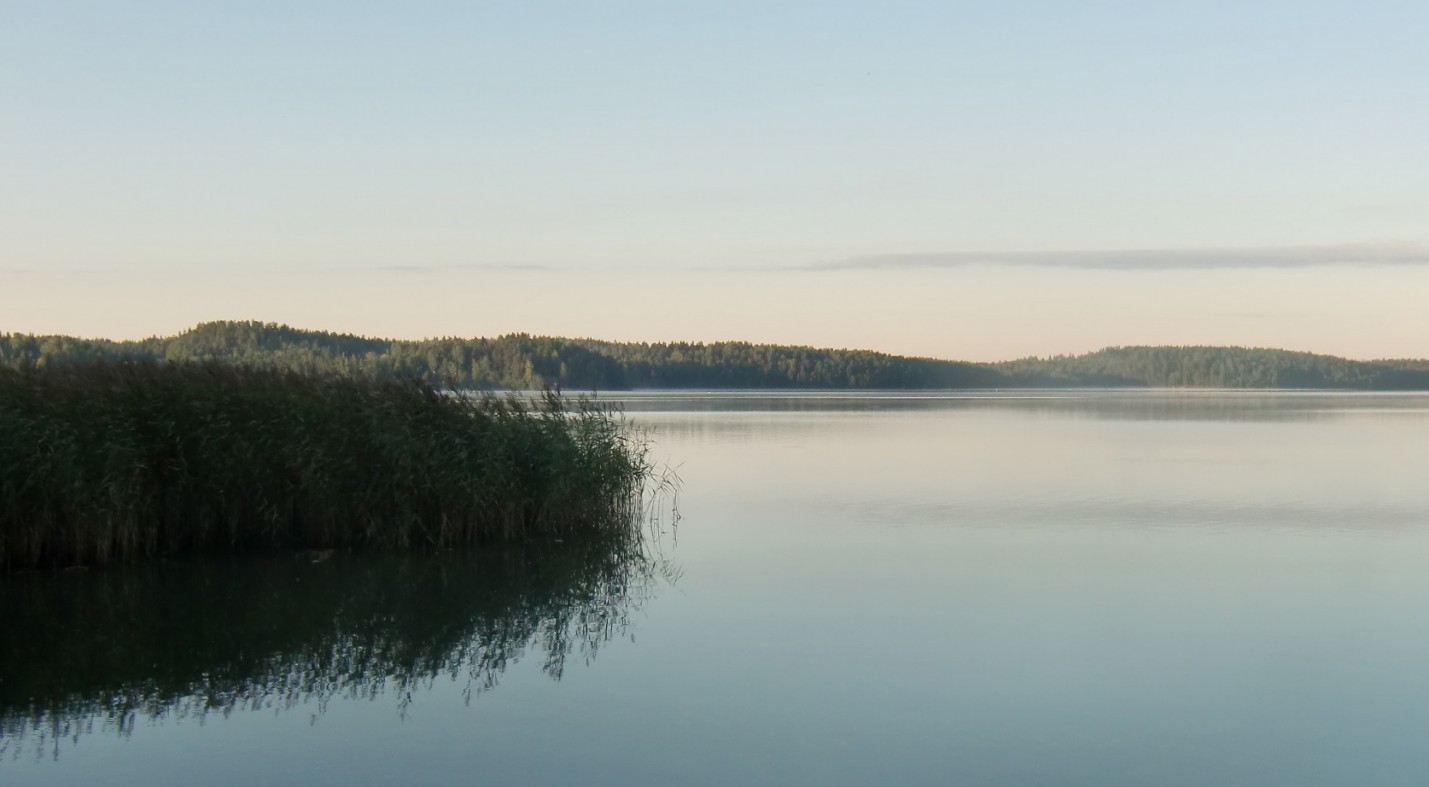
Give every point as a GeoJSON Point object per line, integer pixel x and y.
{"type": "Point", "coordinates": [100, 650]}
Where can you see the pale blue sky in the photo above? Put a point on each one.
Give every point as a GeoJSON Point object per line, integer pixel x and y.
{"type": "Point", "coordinates": [971, 180]}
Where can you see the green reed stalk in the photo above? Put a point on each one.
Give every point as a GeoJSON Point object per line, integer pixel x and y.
{"type": "Point", "coordinates": [118, 461]}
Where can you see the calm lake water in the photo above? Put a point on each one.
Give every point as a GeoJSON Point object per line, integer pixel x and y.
{"type": "Point", "coordinates": [1060, 588]}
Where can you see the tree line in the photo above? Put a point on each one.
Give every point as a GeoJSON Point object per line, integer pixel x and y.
{"type": "Point", "coordinates": [1216, 367]}
{"type": "Point", "coordinates": [522, 361]}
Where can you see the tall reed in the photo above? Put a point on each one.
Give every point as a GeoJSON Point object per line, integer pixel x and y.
{"type": "Point", "coordinates": [121, 460]}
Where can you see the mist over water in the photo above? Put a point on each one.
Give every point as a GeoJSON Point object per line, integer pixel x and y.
{"type": "Point", "coordinates": [1072, 588]}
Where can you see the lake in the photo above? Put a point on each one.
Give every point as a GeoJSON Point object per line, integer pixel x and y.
{"type": "Point", "coordinates": [1073, 588]}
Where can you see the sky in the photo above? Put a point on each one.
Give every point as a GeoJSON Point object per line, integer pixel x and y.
{"type": "Point", "coordinates": [970, 180]}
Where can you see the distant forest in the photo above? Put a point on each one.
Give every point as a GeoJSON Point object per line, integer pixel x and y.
{"type": "Point", "coordinates": [519, 361]}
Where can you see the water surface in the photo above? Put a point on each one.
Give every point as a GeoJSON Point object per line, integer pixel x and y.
{"type": "Point", "coordinates": [1060, 587]}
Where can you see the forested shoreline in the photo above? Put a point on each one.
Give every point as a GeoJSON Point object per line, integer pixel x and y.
{"type": "Point", "coordinates": [521, 361]}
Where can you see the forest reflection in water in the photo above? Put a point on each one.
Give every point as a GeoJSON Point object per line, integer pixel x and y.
{"type": "Point", "coordinates": [1193, 405]}
{"type": "Point", "coordinates": [99, 650]}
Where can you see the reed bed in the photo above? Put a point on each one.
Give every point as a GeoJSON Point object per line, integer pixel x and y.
{"type": "Point", "coordinates": [117, 461]}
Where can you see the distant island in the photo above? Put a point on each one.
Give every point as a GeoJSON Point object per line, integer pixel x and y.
{"type": "Point", "coordinates": [521, 361]}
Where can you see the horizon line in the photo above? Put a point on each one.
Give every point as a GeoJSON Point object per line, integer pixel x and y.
{"type": "Point", "coordinates": [432, 338]}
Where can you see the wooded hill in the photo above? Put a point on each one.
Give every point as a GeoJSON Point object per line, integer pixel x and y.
{"type": "Point", "coordinates": [520, 361]}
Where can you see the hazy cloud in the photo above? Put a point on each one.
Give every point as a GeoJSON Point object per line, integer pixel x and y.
{"type": "Point", "coordinates": [464, 267]}
{"type": "Point", "coordinates": [1148, 259]}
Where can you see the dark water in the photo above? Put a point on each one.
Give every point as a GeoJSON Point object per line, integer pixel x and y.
{"type": "Point", "coordinates": [1118, 588]}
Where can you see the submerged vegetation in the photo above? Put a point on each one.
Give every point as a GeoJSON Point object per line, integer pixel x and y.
{"type": "Point", "coordinates": [103, 650]}
{"type": "Point", "coordinates": [106, 461]}
{"type": "Point", "coordinates": [519, 361]}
